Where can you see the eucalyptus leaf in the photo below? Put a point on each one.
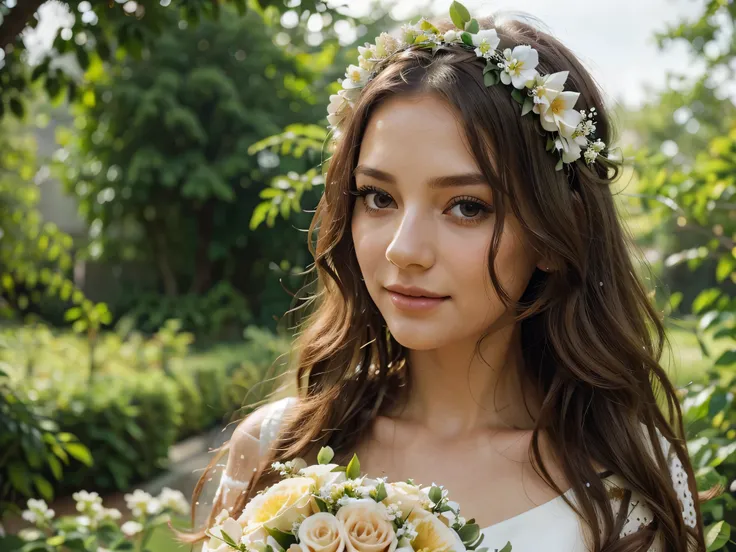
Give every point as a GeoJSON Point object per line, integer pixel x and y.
{"type": "Point", "coordinates": [459, 15]}
{"type": "Point", "coordinates": [506, 548]}
{"type": "Point", "coordinates": [472, 26]}
{"type": "Point", "coordinates": [491, 78]}
{"type": "Point", "coordinates": [435, 494]}
{"type": "Point", "coordinates": [516, 94]}
{"type": "Point", "coordinates": [467, 39]}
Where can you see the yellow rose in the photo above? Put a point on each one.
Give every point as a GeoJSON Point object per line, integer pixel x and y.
{"type": "Point", "coordinates": [279, 506]}
{"type": "Point", "coordinates": [432, 534]}
{"type": "Point", "coordinates": [321, 533]}
{"type": "Point", "coordinates": [366, 527]}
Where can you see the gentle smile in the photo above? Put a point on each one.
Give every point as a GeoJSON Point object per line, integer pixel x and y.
{"type": "Point", "coordinates": [415, 301]}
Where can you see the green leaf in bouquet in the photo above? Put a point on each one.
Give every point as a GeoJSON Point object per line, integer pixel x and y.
{"type": "Point", "coordinates": [124, 545]}
{"type": "Point", "coordinates": [284, 539]}
{"type": "Point", "coordinates": [469, 533]}
{"type": "Point", "coordinates": [435, 494]}
{"type": "Point", "coordinates": [459, 15]}
{"type": "Point", "coordinates": [338, 469]}
{"type": "Point", "coordinates": [321, 504]}
{"type": "Point", "coordinates": [380, 492]}
{"type": "Point", "coordinates": [325, 456]}
{"type": "Point", "coordinates": [353, 469]}
{"type": "Point", "coordinates": [506, 548]}
{"type": "Point", "coordinates": [229, 540]}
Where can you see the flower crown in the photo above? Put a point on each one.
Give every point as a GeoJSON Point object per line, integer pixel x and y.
{"type": "Point", "coordinates": [570, 133]}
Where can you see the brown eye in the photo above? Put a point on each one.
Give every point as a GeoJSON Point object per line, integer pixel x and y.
{"type": "Point", "coordinates": [469, 210]}
{"type": "Point", "coordinates": [378, 200]}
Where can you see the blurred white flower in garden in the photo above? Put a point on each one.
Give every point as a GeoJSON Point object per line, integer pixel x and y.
{"type": "Point", "coordinates": [173, 500]}
{"type": "Point", "coordinates": [141, 503]}
{"type": "Point", "coordinates": [131, 528]}
{"type": "Point", "coordinates": [38, 512]}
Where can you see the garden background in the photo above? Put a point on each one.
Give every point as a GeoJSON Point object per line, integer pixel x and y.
{"type": "Point", "coordinates": [158, 163]}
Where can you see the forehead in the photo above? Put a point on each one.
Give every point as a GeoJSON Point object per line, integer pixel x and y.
{"type": "Point", "coordinates": [420, 134]}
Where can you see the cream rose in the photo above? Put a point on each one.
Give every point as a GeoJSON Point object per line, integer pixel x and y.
{"type": "Point", "coordinates": [406, 496]}
{"type": "Point", "coordinates": [366, 527]}
{"type": "Point", "coordinates": [280, 506]}
{"type": "Point", "coordinates": [321, 533]}
{"type": "Point", "coordinates": [323, 474]}
{"type": "Point", "coordinates": [432, 534]}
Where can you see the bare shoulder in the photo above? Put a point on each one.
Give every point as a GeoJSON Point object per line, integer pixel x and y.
{"type": "Point", "coordinates": [251, 433]}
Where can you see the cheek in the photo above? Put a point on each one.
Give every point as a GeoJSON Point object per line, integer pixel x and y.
{"type": "Point", "coordinates": [514, 264]}
{"type": "Point", "coordinates": [369, 246]}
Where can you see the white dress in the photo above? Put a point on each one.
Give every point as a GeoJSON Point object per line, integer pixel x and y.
{"type": "Point", "coordinates": [552, 526]}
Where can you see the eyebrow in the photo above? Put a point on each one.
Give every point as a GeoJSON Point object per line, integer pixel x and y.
{"type": "Point", "coordinates": [437, 182]}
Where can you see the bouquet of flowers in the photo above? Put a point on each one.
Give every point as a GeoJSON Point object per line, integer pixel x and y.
{"type": "Point", "coordinates": [331, 508]}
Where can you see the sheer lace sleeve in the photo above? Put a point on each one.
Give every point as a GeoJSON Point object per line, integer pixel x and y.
{"type": "Point", "coordinates": [639, 513]}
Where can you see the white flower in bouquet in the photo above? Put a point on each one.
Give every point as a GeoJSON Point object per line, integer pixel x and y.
{"type": "Point", "coordinates": [131, 528]}
{"type": "Point", "coordinates": [38, 512]}
{"type": "Point", "coordinates": [279, 506]}
{"type": "Point", "coordinates": [432, 534]}
{"type": "Point", "coordinates": [323, 475]}
{"type": "Point", "coordinates": [406, 497]}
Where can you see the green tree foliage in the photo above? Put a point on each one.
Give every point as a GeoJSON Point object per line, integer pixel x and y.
{"type": "Point", "coordinates": [100, 30]}
{"type": "Point", "coordinates": [687, 180]}
{"type": "Point", "coordinates": [162, 169]}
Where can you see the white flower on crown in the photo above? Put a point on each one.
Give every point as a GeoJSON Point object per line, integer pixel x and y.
{"type": "Point", "coordinates": [338, 108]}
{"type": "Point", "coordinates": [486, 42]}
{"type": "Point", "coordinates": [367, 56]}
{"type": "Point", "coordinates": [409, 34]}
{"type": "Point", "coordinates": [355, 77]}
{"type": "Point", "coordinates": [451, 36]}
{"type": "Point", "coordinates": [546, 88]}
{"type": "Point", "coordinates": [594, 149]}
{"type": "Point", "coordinates": [519, 66]}
{"type": "Point", "coordinates": [570, 147]}
{"type": "Point", "coordinates": [386, 45]}
{"type": "Point", "coordinates": [560, 116]}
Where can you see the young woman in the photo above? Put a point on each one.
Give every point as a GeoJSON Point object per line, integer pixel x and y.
{"type": "Point", "coordinates": [478, 320]}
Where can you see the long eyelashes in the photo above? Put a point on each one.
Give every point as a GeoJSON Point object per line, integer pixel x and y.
{"type": "Point", "coordinates": [481, 207]}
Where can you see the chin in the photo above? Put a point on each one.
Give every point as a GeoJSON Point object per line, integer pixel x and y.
{"type": "Point", "coordinates": [421, 335]}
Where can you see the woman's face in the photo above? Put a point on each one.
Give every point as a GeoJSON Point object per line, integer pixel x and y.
{"type": "Point", "coordinates": [425, 220]}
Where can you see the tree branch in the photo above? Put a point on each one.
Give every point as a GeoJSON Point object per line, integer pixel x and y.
{"type": "Point", "coordinates": [16, 20]}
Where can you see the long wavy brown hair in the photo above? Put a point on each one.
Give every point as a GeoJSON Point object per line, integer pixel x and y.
{"type": "Point", "coordinates": [591, 338]}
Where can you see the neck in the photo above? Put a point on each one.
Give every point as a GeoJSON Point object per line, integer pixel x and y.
{"type": "Point", "coordinates": [457, 389]}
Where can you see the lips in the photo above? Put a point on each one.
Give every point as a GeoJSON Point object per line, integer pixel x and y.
{"type": "Point", "coordinates": [417, 302]}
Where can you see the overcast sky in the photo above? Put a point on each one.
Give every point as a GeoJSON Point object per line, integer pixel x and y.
{"type": "Point", "coordinates": [614, 38]}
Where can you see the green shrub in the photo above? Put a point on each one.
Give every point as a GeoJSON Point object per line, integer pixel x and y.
{"type": "Point", "coordinates": [32, 447]}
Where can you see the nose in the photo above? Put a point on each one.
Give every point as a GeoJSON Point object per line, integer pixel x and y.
{"type": "Point", "coordinates": [412, 244]}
